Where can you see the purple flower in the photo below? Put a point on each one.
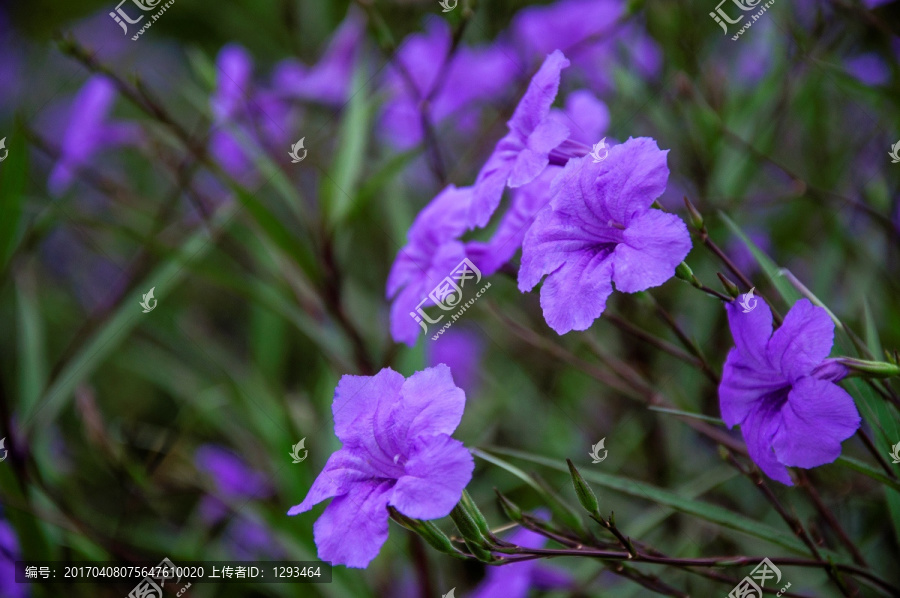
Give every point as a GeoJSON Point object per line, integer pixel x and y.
{"type": "Point", "coordinates": [9, 553]}
{"type": "Point", "coordinates": [514, 581]}
{"type": "Point", "coordinates": [869, 69]}
{"type": "Point", "coordinates": [328, 81]}
{"type": "Point", "coordinates": [472, 76]}
{"type": "Point", "coordinates": [780, 389]}
{"type": "Point", "coordinates": [599, 230]}
{"type": "Point", "coordinates": [88, 132]}
{"type": "Point", "coordinates": [431, 254]}
{"type": "Point", "coordinates": [397, 451]}
{"type": "Point", "coordinates": [585, 115]}
{"type": "Point", "coordinates": [461, 351]}
{"type": "Point", "coordinates": [524, 152]}
{"type": "Point", "coordinates": [232, 478]}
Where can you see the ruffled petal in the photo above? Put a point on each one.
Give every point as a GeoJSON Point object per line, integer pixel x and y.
{"type": "Point", "coordinates": [354, 527]}
{"type": "Point", "coordinates": [357, 400]}
{"type": "Point", "coordinates": [751, 332]}
{"type": "Point", "coordinates": [744, 385]}
{"type": "Point", "coordinates": [626, 184]}
{"type": "Point", "coordinates": [575, 295]}
{"type": "Point", "coordinates": [430, 403]}
{"type": "Point", "coordinates": [758, 430]}
{"type": "Point", "coordinates": [816, 418]}
{"type": "Point", "coordinates": [343, 469]}
{"type": "Point", "coordinates": [803, 341]}
{"type": "Point", "coordinates": [655, 243]}
{"type": "Point", "coordinates": [437, 471]}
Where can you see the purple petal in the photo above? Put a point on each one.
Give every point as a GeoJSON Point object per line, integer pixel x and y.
{"type": "Point", "coordinates": [744, 385]}
{"type": "Point", "coordinates": [629, 180]}
{"type": "Point", "coordinates": [532, 160]}
{"type": "Point", "coordinates": [655, 243]}
{"type": "Point", "coordinates": [803, 341]}
{"type": "Point", "coordinates": [585, 116]}
{"type": "Point", "coordinates": [431, 403]}
{"type": "Point", "coordinates": [233, 82]}
{"type": "Point", "coordinates": [535, 104]}
{"type": "Point", "coordinates": [758, 430]}
{"type": "Point", "coordinates": [816, 418]}
{"type": "Point", "coordinates": [575, 295]}
{"type": "Point", "coordinates": [358, 398]}
{"type": "Point", "coordinates": [751, 332]}
{"type": "Point", "coordinates": [354, 527]}
{"type": "Point", "coordinates": [437, 471]}
{"type": "Point", "coordinates": [343, 469]}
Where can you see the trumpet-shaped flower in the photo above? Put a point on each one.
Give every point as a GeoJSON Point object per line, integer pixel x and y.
{"type": "Point", "coordinates": [397, 451]}
{"type": "Point", "coordinates": [523, 153]}
{"type": "Point", "coordinates": [598, 230]}
{"type": "Point", "coordinates": [780, 389]}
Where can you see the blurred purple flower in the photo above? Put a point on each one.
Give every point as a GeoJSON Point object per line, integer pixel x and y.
{"type": "Point", "coordinates": [588, 32]}
{"type": "Point", "coordinates": [514, 581]}
{"type": "Point", "coordinates": [741, 255]}
{"type": "Point", "coordinates": [252, 541]}
{"type": "Point", "coordinates": [397, 451]}
{"type": "Point", "coordinates": [870, 69]}
{"type": "Point", "coordinates": [9, 553]}
{"type": "Point", "coordinates": [598, 230]}
{"type": "Point", "coordinates": [875, 3]}
{"type": "Point", "coordinates": [780, 389]}
{"type": "Point", "coordinates": [258, 114]}
{"type": "Point", "coordinates": [521, 155]}
{"type": "Point", "coordinates": [232, 478]}
{"type": "Point", "coordinates": [431, 254]}
{"type": "Point", "coordinates": [585, 116]}
{"type": "Point", "coordinates": [89, 132]}
{"type": "Point", "coordinates": [472, 76]}
{"type": "Point", "coordinates": [460, 350]}
{"type": "Point", "coordinates": [328, 81]}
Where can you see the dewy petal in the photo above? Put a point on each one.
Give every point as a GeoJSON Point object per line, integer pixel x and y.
{"type": "Point", "coordinates": [655, 243]}
{"type": "Point", "coordinates": [354, 527]}
{"type": "Point", "coordinates": [431, 403]}
{"type": "Point", "coordinates": [356, 401]}
{"type": "Point", "coordinates": [803, 341]}
{"type": "Point", "coordinates": [575, 295]}
{"type": "Point", "coordinates": [816, 418]}
{"type": "Point", "coordinates": [758, 430]}
{"type": "Point", "coordinates": [343, 469]}
{"type": "Point", "coordinates": [438, 469]}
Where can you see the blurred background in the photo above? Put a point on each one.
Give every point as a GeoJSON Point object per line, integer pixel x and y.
{"type": "Point", "coordinates": [164, 162]}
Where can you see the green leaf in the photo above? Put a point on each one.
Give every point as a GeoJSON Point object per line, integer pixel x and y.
{"type": "Point", "coordinates": [13, 175]}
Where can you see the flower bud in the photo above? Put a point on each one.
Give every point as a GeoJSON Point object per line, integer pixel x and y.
{"type": "Point", "coordinates": [695, 216]}
{"type": "Point", "coordinates": [730, 287]}
{"type": "Point", "coordinates": [585, 494]}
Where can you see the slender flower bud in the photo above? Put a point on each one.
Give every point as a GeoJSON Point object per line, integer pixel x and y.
{"type": "Point", "coordinates": [730, 287]}
{"type": "Point", "coordinates": [509, 508]}
{"type": "Point", "coordinates": [684, 272]}
{"type": "Point", "coordinates": [869, 369]}
{"type": "Point", "coordinates": [696, 217]}
{"type": "Point", "coordinates": [473, 510]}
{"type": "Point", "coordinates": [585, 494]}
{"type": "Point", "coordinates": [430, 532]}
{"type": "Point", "coordinates": [475, 541]}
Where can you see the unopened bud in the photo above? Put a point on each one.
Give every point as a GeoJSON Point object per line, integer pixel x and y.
{"type": "Point", "coordinates": [585, 494]}
{"type": "Point", "coordinates": [730, 287]}
{"type": "Point", "coordinates": [696, 217]}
